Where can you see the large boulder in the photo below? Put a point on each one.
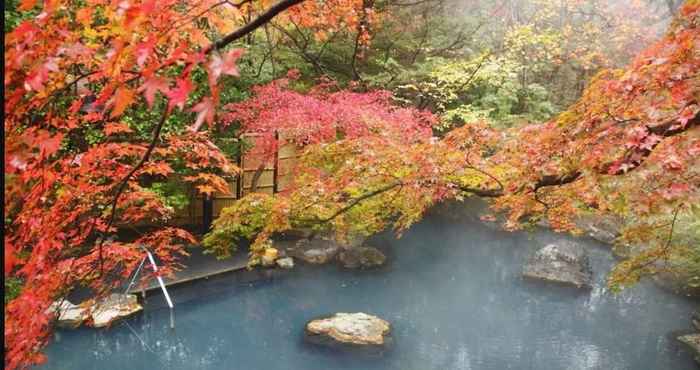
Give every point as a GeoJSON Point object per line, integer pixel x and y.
{"type": "Point", "coordinates": [603, 228]}
{"type": "Point", "coordinates": [68, 315]}
{"type": "Point", "coordinates": [693, 342]}
{"type": "Point", "coordinates": [318, 250]}
{"type": "Point", "coordinates": [349, 328]}
{"type": "Point", "coordinates": [563, 263]}
{"type": "Point", "coordinates": [361, 257]}
{"type": "Point", "coordinates": [114, 307]}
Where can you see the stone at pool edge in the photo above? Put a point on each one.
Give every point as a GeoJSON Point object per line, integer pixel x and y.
{"type": "Point", "coordinates": [70, 316]}
{"type": "Point", "coordinates": [349, 328]}
{"type": "Point", "coordinates": [318, 250]}
{"type": "Point", "coordinates": [361, 257]}
{"type": "Point", "coordinates": [114, 307]}
{"type": "Point", "coordinates": [285, 263]}
{"type": "Point", "coordinates": [563, 262]}
{"type": "Point", "coordinates": [102, 314]}
{"type": "Point", "coordinates": [693, 342]}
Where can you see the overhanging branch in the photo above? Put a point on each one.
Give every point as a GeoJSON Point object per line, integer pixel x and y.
{"type": "Point", "coordinates": [354, 203]}
{"type": "Point", "coordinates": [253, 25]}
{"type": "Point", "coordinates": [633, 159]}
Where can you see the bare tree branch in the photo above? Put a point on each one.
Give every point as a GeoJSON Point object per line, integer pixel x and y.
{"type": "Point", "coordinates": [253, 25]}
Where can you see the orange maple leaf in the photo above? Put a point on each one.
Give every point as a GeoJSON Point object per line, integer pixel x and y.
{"type": "Point", "coordinates": [112, 128]}
{"type": "Point", "coordinates": [206, 189]}
{"type": "Point", "coordinates": [123, 98]}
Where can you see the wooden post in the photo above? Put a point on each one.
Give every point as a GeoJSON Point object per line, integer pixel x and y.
{"type": "Point", "coordinates": [239, 178]}
{"type": "Point", "coordinates": [276, 163]}
{"type": "Point", "coordinates": [207, 213]}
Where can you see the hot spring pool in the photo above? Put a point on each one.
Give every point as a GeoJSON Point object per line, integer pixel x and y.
{"type": "Point", "coordinates": [452, 292]}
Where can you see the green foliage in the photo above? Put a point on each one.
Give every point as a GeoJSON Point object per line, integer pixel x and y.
{"type": "Point", "coordinates": [13, 286]}
{"type": "Point", "coordinates": [14, 17]}
{"type": "Point", "coordinates": [536, 50]}
{"type": "Point", "coordinates": [462, 114]}
{"type": "Point", "coordinates": [686, 258]}
{"type": "Point", "coordinates": [243, 220]}
{"type": "Point", "coordinates": [173, 193]}
{"type": "Point", "coordinates": [467, 90]}
{"type": "Point", "coordinates": [658, 244]}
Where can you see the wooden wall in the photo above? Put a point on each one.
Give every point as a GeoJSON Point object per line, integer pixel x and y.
{"type": "Point", "coordinates": [276, 176]}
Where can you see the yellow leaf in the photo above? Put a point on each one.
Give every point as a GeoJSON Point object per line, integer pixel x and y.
{"type": "Point", "coordinates": [90, 33]}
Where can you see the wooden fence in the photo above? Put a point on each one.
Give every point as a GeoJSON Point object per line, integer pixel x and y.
{"type": "Point", "coordinates": [273, 177]}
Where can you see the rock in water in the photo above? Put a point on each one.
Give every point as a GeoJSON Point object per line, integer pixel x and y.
{"type": "Point", "coordinates": [114, 307]}
{"type": "Point", "coordinates": [286, 263]}
{"type": "Point", "coordinates": [354, 241]}
{"type": "Point", "coordinates": [319, 256]}
{"type": "Point", "coordinates": [361, 257]}
{"type": "Point", "coordinates": [350, 328]}
{"type": "Point", "coordinates": [269, 257]}
{"type": "Point", "coordinates": [564, 263]}
{"type": "Point", "coordinates": [692, 341]}
{"type": "Point", "coordinates": [604, 229]}
{"type": "Point", "coordinates": [69, 315]}
{"type": "Point", "coordinates": [315, 251]}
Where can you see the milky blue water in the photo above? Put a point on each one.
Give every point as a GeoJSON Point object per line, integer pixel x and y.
{"type": "Point", "coordinates": [452, 292]}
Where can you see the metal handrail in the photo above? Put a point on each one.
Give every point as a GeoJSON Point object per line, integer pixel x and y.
{"type": "Point", "coordinates": [149, 256]}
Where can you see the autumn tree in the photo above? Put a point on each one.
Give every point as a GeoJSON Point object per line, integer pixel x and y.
{"type": "Point", "coordinates": [542, 54]}
{"type": "Point", "coordinates": [103, 101]}
{"type": "Point", "coordinates": [351, 142]}
{"type": "Point", "coordinates": [628, 147]}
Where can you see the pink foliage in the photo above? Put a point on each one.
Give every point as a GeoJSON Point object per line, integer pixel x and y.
{"type": "Point", "coordinates": [323, 116]}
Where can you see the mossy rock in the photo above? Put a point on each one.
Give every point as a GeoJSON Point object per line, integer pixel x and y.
{"type": "Point", "coordinates": [361, 257]}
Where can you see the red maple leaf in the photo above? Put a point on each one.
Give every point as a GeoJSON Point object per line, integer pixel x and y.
{"type": "Point", "coordinates": [687, 114]}
{"type": "Point", "coordinates": [10, 259]}
{"type": "Point", "coordinates": [36, 78]}
{"type": "Point", "coordinates": [673, 163]}
{"type": "Point", "coordinates": [205, 111]}
{"type": "Point", "coordinates": [152, 86]}
{"type": "Point", "coordinates": [50, 145]}
{"type": "Point", "coordinates": [675, 190]}
{"type": "Point", "coordinates": [225, 65]}
{"type": "Point", "coordinates": [144, 50]}
{"type": "Point", "coordinates": [178, 95]}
